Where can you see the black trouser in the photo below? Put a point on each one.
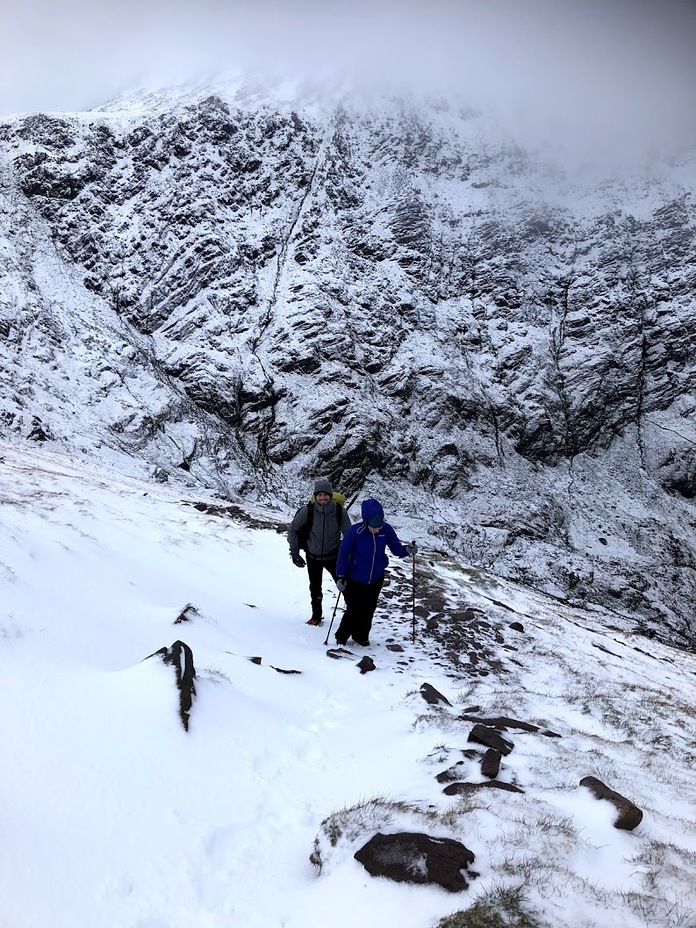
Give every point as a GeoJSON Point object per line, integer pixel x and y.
{"type": "Point", "coordinates": [361, 602]}
{"type": "Point", "coordinates": [315, 568]}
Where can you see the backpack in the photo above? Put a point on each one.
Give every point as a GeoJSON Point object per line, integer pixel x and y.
{"type": "Point", "coordinates": [303, 533]}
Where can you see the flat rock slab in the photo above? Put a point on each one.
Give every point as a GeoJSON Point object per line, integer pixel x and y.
{"type": "Point", "coordinates": [339, 654]}
{"type": "Point", "coordinates": [411, 857]}
{"type": "Point", "coordinates": [629, 814]}
{"type": "Point", "coordinates": [500, 722]}
{"type": "Point", "coordinates": [457, 789]}
{"type": "Point", "coordinates": [481, 734]}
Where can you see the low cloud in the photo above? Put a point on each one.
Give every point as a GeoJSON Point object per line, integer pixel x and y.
{"type": "Point", "coordinates": [615, 72]}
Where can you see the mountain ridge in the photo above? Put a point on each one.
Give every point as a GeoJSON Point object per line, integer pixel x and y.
{"type": "Point", "coordinates": [247, 295]}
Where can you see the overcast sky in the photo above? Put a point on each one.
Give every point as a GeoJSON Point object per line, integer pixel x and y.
{"type": "Point", "coordinates": [622, 67]}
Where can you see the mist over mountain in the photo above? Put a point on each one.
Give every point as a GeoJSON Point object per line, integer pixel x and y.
{"type": "Point", "coordinates": [242, 287]}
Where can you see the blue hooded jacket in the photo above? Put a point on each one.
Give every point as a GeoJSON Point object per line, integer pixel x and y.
{"type": "Point", "coordinates": [362, 555]}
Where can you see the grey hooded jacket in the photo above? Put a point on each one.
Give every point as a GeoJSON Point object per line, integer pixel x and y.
{"type": "Point", "coordinates": [324, 536]}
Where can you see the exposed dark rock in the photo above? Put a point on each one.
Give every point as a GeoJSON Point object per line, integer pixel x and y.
{"type": "Point", "coordinates": [280, 670]}
{"type": "Point", "coordinates": [432, 696]}
{"type": "Point", "coordinates": [629, 817]}
{"type": "Point", "coordinates": [501, 722]}
{"type": "Point", "coordinates": [516, 626]}
{"type": "Point", "coordinates": [234, 512]}
{"type": "Point", "coordinates": [366, 664]}
{"type": "Point", "coordinates": [180, 656]}
{"type": "Point", "coordinates": [457, 789]}
{"type": "Point", "coordinates": [339, 653]}
{"type": "Point", "coordinates": [39, 432]}
{"type": "Point", "coordinates": [480, 734]}
{"type": "Point", "coordinates": [188, 613]}
{"type": "Point", "coordinates": [410, 857]}
{"type": "Point", "coordinates": [601, 647]}
{"type": "Point", "coordinates": [451, 774]}
{"type": "Point", "coordinates": [490, 763]}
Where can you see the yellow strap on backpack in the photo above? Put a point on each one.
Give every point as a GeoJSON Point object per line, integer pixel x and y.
{"type": "Point", "coordinates": [336, 497]}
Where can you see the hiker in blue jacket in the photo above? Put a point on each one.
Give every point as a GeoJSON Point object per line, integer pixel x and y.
{"type": "Point", "coordinates": [362, 561]}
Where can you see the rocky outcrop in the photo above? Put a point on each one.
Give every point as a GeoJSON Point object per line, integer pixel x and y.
{"type": "Point", "coordinates": [180, 656]}
{"type": "Point", "coordinates": [246, 293]}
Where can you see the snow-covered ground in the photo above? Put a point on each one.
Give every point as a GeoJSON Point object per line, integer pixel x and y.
{"type": "Point", "coordinates": [112, 815]}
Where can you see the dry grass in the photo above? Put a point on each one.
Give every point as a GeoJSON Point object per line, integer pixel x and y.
{"type": "Point", "coordinates": [502, 907]}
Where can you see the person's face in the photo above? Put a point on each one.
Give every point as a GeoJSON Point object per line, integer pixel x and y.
{"type": "Point", "coordinates": [322, 498]}
{"type": "Point", "coordinates": [374, 528]}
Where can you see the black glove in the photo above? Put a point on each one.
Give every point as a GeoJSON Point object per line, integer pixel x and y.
{"type": "Point", "coordinates": [298, 560]}
{"type": "Point", "coordinates": [341, 584]}
{"type": "Point", "coordinates": [412, 548]}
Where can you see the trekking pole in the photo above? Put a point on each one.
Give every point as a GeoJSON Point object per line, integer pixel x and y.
{"type": "Point", "coordinates": [414, 593]}
{"type": "Point", "coordinates": [332, 618]}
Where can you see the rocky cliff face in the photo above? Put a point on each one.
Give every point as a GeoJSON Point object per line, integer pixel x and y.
{"type": "Point", "coordinates": [246, 293]}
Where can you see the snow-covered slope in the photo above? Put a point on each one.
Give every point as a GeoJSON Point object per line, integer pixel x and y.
{"type": "Point", "coordinates": [113, 815]}
{"type": "Point", "coordinates": [244, 289]}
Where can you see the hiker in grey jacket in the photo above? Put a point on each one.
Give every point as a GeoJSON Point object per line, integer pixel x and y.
{"type": "Point", "coordinates": [317, 529]}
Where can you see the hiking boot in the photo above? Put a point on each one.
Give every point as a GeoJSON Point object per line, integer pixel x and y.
{"type": "Point", "coordinates": [341, 641]}
{"type": "Point", "coordinates": [363, 644]}
{"type": "Point", "coordinates": [314, 621]}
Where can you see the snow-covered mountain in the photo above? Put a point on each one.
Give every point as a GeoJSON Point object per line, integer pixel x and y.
{"type": "Point", "coordinates": [245, 288]}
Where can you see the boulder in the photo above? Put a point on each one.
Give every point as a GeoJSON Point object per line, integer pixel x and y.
{"type": "Point", "coordinates": [490, 763]}
{"type": "Point", "coordinates": [411, 857]}
{"type": "Point", "coordinates": [366, 665]}
{"type": "Point", "coordinates": [629, 815]}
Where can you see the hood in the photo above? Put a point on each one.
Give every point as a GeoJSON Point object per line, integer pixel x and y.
{"type": "Point", "coordinates": [370, 507]}
{"type": "Point", "coordinates": [323, 486]}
